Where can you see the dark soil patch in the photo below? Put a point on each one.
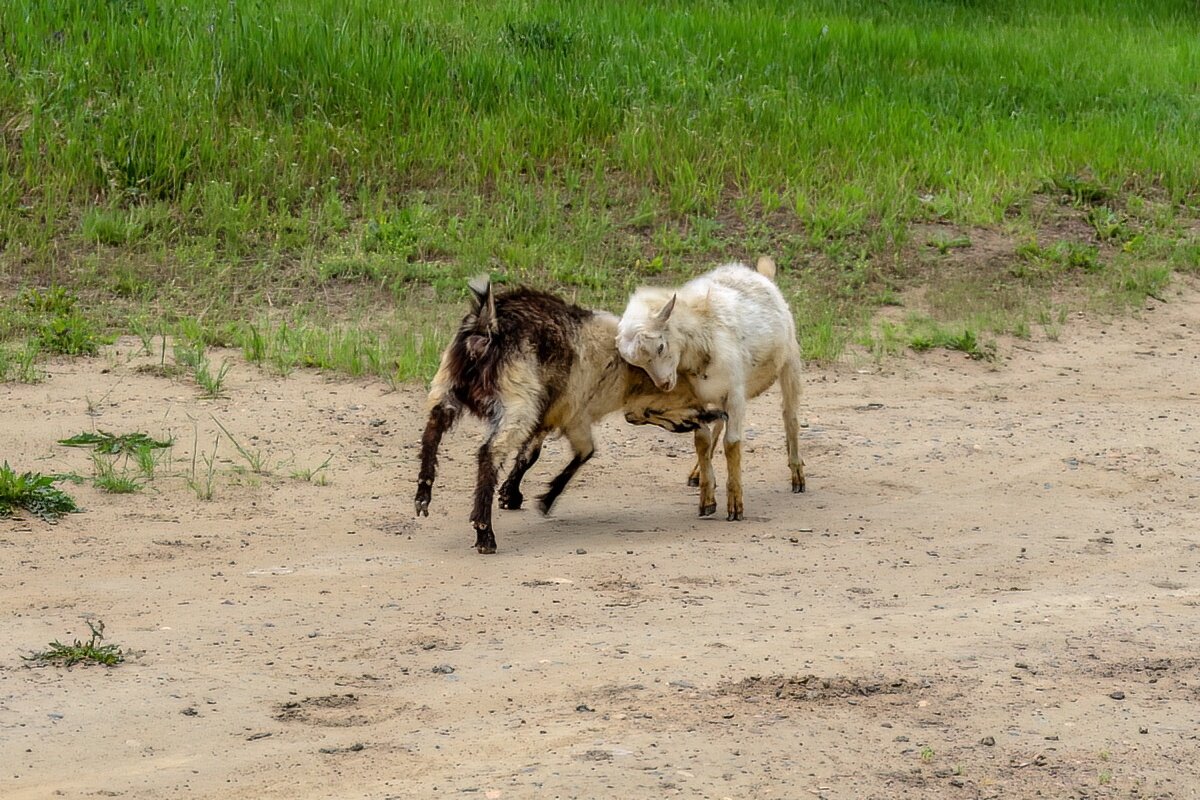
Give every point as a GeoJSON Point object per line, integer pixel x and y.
{"type": "Point", "coordinates": [813, 688]}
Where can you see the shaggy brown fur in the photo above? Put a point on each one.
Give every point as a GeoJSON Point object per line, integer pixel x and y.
{"type": "Point", "coordinates": [530, 364]}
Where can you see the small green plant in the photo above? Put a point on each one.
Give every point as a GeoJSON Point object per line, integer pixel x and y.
{"type": "Point", "coordinates": [147, 459]}
{"type": "Point", "coordinates": [255, 459]}
{"type": "Point", "coordinates": [70, 335]}
{"type": "Point", "coordinates": [90, 652]}
{"type": "Point", "coordinates": [202, 483]}
{"type": "Point", "coordinates": [211, 384]}
{"type": "Point", "coordinates": [927, 754]}
{"type": "Point", "coordinates": [55, 300]}
{"type": "Point", "coordinates": [315, 475]}
{"type": "Point", "coordinates": [108, 479]}
{"type": "Point", "coordinates": [945, 244]}
{"type": "Point", "coordinates": [111, 444]}
{"type": "Point", "coordinates": [1108, 224]}
{"type": "Point", "coordinates": [35, 493]}
{"type": "Point", "coordinates": [1081, 190]}
{"type": "Point", "coordinates": [1105, 777]}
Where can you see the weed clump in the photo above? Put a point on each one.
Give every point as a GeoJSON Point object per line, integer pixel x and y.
{"type": "Point", "coordinates": [111, 444]}
{"type": "Point", "coordinates": [90, 652]}
{"type": "Point", "coordinates": [34, 493]}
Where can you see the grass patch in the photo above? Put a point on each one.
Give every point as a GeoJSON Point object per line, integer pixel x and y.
{"type": "Point", "coordinates": [79, 652]}
{"type": "Point", "coordinates": [106, 478]}
{"type": "Point", "coordinates": [366, 156]}
{"type": "Point", "coordinates": [20, 364]}
{"type": "Point", "coordinates": [35, 494]}
{"type": "Point", "coordinates": [316, 474]}
{"type": "Point", "coordinates": [137, 454]}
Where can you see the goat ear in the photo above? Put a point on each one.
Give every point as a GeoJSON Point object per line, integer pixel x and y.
{"type": "Point", "coordinates": [485, 302]}
{"type": "Point", "coordinates": [662, 316]}
{"type": "Point", "coordinates": [481, 287]}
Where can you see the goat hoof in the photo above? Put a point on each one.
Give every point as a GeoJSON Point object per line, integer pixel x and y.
{"type": "Point", "coordinates": [693, 480]}
{"type": "Point", "coordinates": [485, 549]}
{"type": "Point", "coordinates": [735, 514]}
{"type": "Point", "coordinates": [708, 510]}
{"type": "Point", "coordinates": [797, 488]}
{"type": "Point", "coordinates": [422, 508]}
{"type": "Point", "coordinates": [512, 502]}
{"type": "Point", "coordinates": [544, 507]}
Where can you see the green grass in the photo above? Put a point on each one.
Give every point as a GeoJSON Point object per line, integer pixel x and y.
{"type": "Point", "coordinates": [222, 160]}
{"type": "Point", "coordinates": [34, 493]}
{"type": "Point", "coordinates": [89, 652]}
{"type": "Point", "coordinates": [108, 479]}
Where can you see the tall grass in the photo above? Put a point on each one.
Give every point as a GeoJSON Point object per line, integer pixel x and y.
{"type": "Point", "coordinates": [240, 148]}
{"type": "Point", "coordinates": [239, 110]}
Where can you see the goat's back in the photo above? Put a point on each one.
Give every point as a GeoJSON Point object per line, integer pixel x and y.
{"type": "Point", "coordinates": [532, 329]}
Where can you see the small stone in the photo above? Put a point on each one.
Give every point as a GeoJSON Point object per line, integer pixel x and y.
{"type": "Point", "coordinates": [190, 711]}
{"type": "Point", "coordinates": [988, 741]}
{"type": "Point", "coordinates": [1117, 695]}
{"type": "Point", "coordinates": [429, 645]}
{"type": "Point", "coordinates": [1143, 730]}
{"type": "Point", "coordinates": [584, 708]}
{"type": "Point", "coordinates": [443, 669]}
{"type": "Point", "coordinates": [957, 782]}
{"type": "Point", "coordinates": [579, 551]}
{"type": "Point", "coordinates": [682, 684]}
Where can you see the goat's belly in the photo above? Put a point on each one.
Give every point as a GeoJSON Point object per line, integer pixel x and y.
{"type": "Point", "coordinates": [761, 380]}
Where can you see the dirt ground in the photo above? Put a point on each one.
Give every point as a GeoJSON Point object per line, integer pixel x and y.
{"type": "Point", "coordinates": [989, 590]}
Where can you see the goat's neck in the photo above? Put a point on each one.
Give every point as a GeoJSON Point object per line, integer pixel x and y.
{"type": "Point", "coordinates": [693, 336]}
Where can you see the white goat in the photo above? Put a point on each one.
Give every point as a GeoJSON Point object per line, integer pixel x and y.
{"type": "Point", "coordinates": [730, 334]}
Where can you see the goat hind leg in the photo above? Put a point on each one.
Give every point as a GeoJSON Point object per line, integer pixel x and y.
{"type": "Point", "coordinates": [441, 419]}
{"type": "Point", "coordinates": [510, 491]}
{"type": "Point", "coordinates": [580, 438]}
{"type": "Point", "coordinates": [516, 427]}
{"type": "Point", "coordinates": [789, 383]}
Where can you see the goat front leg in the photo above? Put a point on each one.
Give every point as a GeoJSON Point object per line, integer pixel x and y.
{"type": "Point", "coordinates": [706, 479]}
{"type": "Point", "coordinates": [510, 491]}
{"type": "Point", "coordinates": [441, 419]}
{"type": "Point", "coordinates": [580, 437]}
{"type": "Point", "coordinates": [706, 445]}
{"type": "Point", "coordinates": [735, 406]}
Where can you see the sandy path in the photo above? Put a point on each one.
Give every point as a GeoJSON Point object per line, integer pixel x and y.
{"type": "Point", "coordinates": [988, 552]}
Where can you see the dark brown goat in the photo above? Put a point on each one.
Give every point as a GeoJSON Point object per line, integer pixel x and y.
{"type": "Point", "coordinates": [530, 364]}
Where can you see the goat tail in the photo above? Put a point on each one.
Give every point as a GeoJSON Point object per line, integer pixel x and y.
{"type": "Point", "coordinates": [765, 267]}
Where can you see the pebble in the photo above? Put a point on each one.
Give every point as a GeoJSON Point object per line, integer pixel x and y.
{"type": "Point", "coordinates": [1117, 695]}
{"type": "Point", "coordinates": [988, 741]}
{"type": "Point", "coordinates": [682, 684]}
{"type": "Point", "coordinates": [443, 669]}
{"type": "Point", "coordinates": [584, 707]}
{"type": "Point", "coordinates": [579, 551]}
